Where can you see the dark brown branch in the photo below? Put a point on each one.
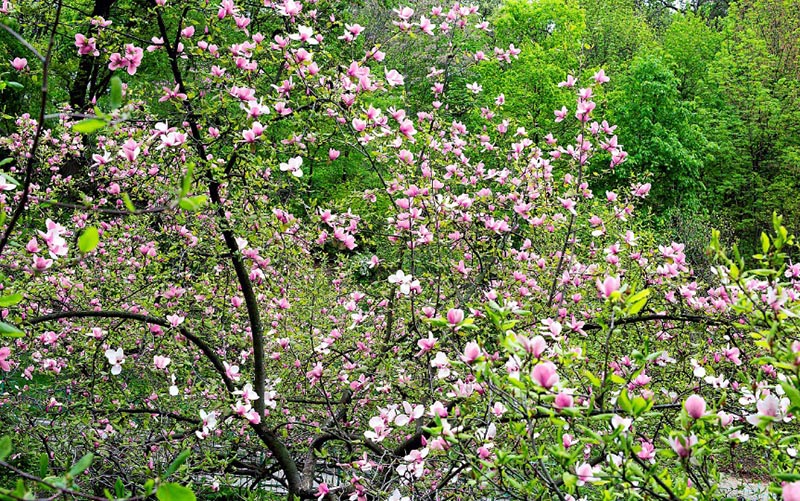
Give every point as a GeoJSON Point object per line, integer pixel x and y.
{"type": "Point", "coordinates": [658, 317]}
{"type": "Point", "coordinates": [125, 315]}
{"type": "Point", "coordinates": [26, 184]}
{"type": "Point", "coordinates": [273, 443]}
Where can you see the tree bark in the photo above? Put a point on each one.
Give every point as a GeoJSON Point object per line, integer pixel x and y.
{"type": "Point", "coordinates": [88, 65]}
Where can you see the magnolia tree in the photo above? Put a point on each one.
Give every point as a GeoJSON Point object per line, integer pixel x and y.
{"type": "Point", "coordinates": [182, 315]}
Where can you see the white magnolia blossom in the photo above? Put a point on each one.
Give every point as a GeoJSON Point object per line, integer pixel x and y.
{"type": "Point", "coordinates": [116, 358]}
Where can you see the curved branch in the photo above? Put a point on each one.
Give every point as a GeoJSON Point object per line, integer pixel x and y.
{"type": "Point", "coordinates": [125, 315]}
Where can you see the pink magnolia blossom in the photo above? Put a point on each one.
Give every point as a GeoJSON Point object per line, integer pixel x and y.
{"type": "Point", "coordinates": [682, 445]}
{"type": "Point", "coordinates": [455, 316]}
{"type": "Point", "coordinates": [41, 264]}
{"type": "Point", "coordinates": [19, 63]}
{"type": "Point", "coordinates": [115, 358]}
{"type": "Point", "coordinates": [544, 374]}
{"type": "Point", "coordinates": [5, 352]}
{"type": "Point", "coordinates": [585, 474]}
{"type": "Point", "coordinates": [472, 351]}
{"type": "Point", "coordinates": [570, 82]}
{"type": "Point", "coordinates": [5, 185]}
{"type": "Point", "coordinates": [394, 78]}
{"type": "Point", "coordinates": [130, 61]}
{"type": "Point", "coordinates": [161, 362]}
{"type": "Point", "coordinates": [695, 406]}
{"type": "Point", "coordinates": [232, 371]}
{"type": "Point", "coordinates": [563, 401]}
{"type": "Point", "coordinates": [86, 46]}
{"type": "Point", "coordinates": [608, 286]}
{"type": "Point", "coordinates": [648, 452]}
{"type": "Point", "coordinates": [426, 344]}
{"type": "Point", "coordinates": [641, 190]}
{"type": "Point", "coordinates": [790, 491]}
{"type": "Point", "coordinates": [600, 77]}
{"type": "Point", "coordinates": [293, 165]}
{"type": "Point", "coordinates": [769, 409]}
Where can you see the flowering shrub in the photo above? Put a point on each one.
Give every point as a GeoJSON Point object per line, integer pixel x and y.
{"type": "Point", "coordinates": [181, 310]}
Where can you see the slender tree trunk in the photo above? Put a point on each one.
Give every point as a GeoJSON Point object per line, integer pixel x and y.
{"type": "Point", "coordinates": [87, 66]}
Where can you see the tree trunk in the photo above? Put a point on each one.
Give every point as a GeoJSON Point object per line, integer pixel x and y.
{"type": "Point", "coordinates": [88, 64]}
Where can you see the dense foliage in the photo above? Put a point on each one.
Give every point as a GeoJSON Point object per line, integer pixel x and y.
{"type": "Point", "coordinates": [318, 250]}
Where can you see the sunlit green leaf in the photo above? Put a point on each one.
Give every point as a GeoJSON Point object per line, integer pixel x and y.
{"type": "Point", "coordinates": [88, 240]}
{"type": "Point", "coordinates": [10, 300]}
{"type": "Point", "coordinates": [89, 125]}
{"type": "Point", "coordinates": [174, 492]}
{"type": "Point", "coordinates": [193, 203]}
{"type": "Point", "coordinates": [8, 330]}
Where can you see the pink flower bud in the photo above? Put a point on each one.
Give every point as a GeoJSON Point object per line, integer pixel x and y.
{"type": "Point", "coordinates": [545, 375]}
{"type": "Point", "coordinates": [455, 316]}
{"type": "Point", "coordinates": [695, 406]}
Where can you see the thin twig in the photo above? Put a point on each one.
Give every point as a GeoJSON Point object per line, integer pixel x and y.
{"type": "Point", "coordinates": [24, 42]}
{"type": "Point", "coordinates": [26, 187]}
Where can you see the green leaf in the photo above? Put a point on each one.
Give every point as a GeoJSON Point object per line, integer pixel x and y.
{"type": "Point", "coordinates": [5, 447]}
{"type": "Point", "coordinates": [119, 488]}
{"type": "Point", "coordinates": [174, 492]}
{"type": "Point", "coordinates": [624, 402]}
{"type": "Point", "coordinates": [6, 161]}
{"type": "Point", "coordinates": [637, 306]}
{"type": "Point", "coordinates": [15, 85]}
{"type": "Point", "coordinates": [764, 243]}
{"type": "Point", "coordinates": [194, 203]}
{"type": "Point", "coordinates": [44, 464]}
{"type": "Point", "coordinates": [116, 93]}
{"type": "Point", "coordinates": [128, 204]}
{"type": "Point", "coordinates": [8, 330]}
{"type": "Point", "coordinates": [173, 467]}
{"type": "Point", "coordinates": [186, 182]}
{"type": "Point", "coordinates": [793, 394]}
{"type": "Point", "coordinates": [89, 125]}
{"type": "Point", "coordinates": [88, 240]}
{"type": "Point", "coordinates": [82, 465]}
{"type": "Point", "coordinates": [10, 300]}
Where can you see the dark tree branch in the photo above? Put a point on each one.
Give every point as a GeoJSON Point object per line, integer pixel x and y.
{"type": "Point", "coordinates": [125, 315]}
{"type": "Point", "coordinates": [29, 165]}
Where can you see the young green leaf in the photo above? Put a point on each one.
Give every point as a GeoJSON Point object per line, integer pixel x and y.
{"type": "Point", "coordinates": [119, 488]}
{"type": "Point", "coordinates": [173, 467]}
{"type": "Point", "coordinates": [194, 203]}
{"type": "Point", "coordinates": [10, 300]}
{"type": "Point", "coordinates": [44, 464]}
{"type": "Point", "coordinates": [89, 125]}
{"type": "Point", "coordinates": [186, 182]}
{"type": "Point", "coordinates": [81, 465]}
{"type": "Point", "coordinates": [88, 240]}
{"type": "Point", "coordinates": [174, 492]}
{"type": "Point", "coordinates": [8, 330]}
{"type": "Point", "coordinates": [116, 93]}
{"type": "Point", "coordinates": [128, 204]}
